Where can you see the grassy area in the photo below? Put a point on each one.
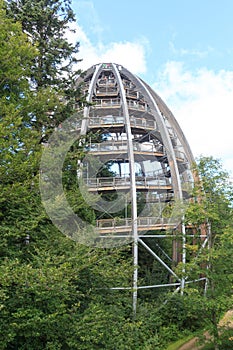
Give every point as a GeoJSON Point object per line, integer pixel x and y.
{"type": "Point", "coordinates": [226, 335]}
{"type": "Point", "coordinates": [179, 343]}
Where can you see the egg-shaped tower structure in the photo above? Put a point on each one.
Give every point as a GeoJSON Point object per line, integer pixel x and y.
{"type": "Point", "coordinates": [142, 175]}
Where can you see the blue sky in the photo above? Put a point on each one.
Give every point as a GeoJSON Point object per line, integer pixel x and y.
{"type": "Point", "coordinates": [182, 48]}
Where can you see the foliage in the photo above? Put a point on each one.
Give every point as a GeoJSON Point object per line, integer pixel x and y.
{"type": "Point", "coordinates": [214, 196]}
{"type": "Point", "coordinates": [213, 204]}
{"type": "Point", "coordinates": [52, 77]}
{"type": "Point", "coordinates": [46, 22]}
{"type": "Point", "coordinates": [54, 297]}
{"type": "Point", "coordinates": [220, 277]}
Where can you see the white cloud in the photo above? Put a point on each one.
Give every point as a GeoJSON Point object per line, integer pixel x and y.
{"type": "Point", "coordinates": [130, 54]}
{"type": "Point", "coordinates": [190, 52]}
{"type": "Point", "coordinates": [202, 102]}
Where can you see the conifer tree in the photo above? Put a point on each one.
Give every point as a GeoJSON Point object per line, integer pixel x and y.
{"type": "Point", "coordinates": [53, 75]}
{"type": "Point", "coordinates": [47, 24]}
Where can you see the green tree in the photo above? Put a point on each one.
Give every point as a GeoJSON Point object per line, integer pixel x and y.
{"type": "Point", "coordinates": [18, 143]}
{"type": "Point", "coordinates": [218, 191]}
{"type": "Point", "coordinates": [52, 74]}
{"type": "Point", "coordinates": [216, 196]}
{"type": "Point", "coordinates": [46, 22]}
{"type": "Point", "coordinates": [219, 206]}
{"type": "Point", "coordinates": [220, 276]}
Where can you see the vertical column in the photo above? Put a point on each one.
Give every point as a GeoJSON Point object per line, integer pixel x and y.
{"type": "Point", "coordinates": [89, 96]}
{"type": "Point", "coordinates": [133, 186]}
{"type": "Point", "coordinates": [183, 256]}
{"type": "Point", "coordinates": [171, 156]}
{"type": "Point", "coordinates": [176, 182]}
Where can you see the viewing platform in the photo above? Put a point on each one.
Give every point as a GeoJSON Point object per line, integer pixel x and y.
{"type": "Point", "coordinates": [110, 121]}
{"type": "Point", "coordinates": [123, 183]}
{"type": "Point", "coordinates": [120, 147]}
{"type": "Point", "coordinates": [123, 225]}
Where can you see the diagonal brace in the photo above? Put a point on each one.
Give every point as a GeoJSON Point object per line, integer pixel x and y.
{"type": "Point", "coordinates": [158, 258]}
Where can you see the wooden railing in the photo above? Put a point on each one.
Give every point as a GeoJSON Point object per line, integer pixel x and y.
{"type": "Point", "coordinates": [115, 120]}
{"type": "Point", "coordinates": [143, 224]}
{"type": "Point", "coordinates": [125, 182]}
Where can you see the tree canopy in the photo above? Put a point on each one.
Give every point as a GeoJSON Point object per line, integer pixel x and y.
{"type": "Point", "coordinates": [47, 23]}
